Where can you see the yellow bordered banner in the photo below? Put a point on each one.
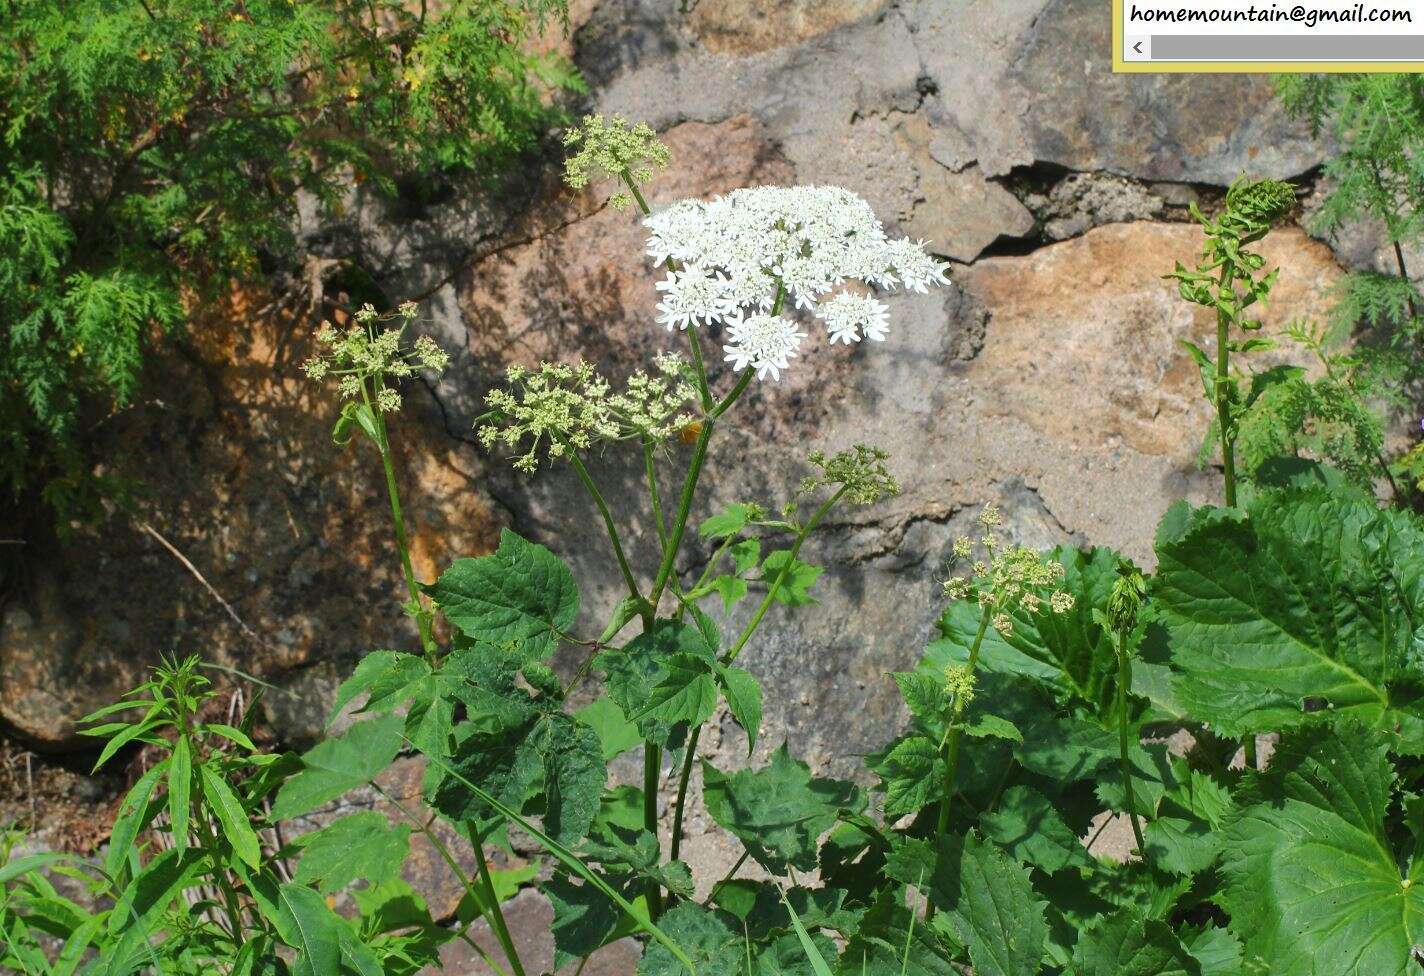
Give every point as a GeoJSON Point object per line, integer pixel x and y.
{"type": "Point", "coordinates": [1164, 65]}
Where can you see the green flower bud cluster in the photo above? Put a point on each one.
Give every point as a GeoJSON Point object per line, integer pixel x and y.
{"type": "Point", "coordinates": [958, 687]}
{"type": "Point", "coordinates": [1129, 592]}
{"type": "Point", "coordinates": [860, 471]}
{"type": "Point", "coordinates": [559, 408]}
{"type": "Point", "coordinates": [1004, 579]}
{"type": "Point", "coordinates": [556, 408]}
{"type": "Point", "coordinates": [613, 149]}
{"type": "Point", "coordinates": [365, 355]}
{"type": "Point", "coordinates": [657, 407]}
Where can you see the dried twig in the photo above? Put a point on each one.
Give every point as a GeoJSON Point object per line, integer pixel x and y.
{"type": "Point", "coordinates": [188, 565]}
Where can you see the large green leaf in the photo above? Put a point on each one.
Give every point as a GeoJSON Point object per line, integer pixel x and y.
{"type": "Point", "coordinates": [705, 935]}
{"type": "Point", "coordinates": [1027, 826]}
{"type": "Point", "coordinates": [987, 896]}
{"type": "Point", "coordinates": [687, 693]}
{"type": "Point", "coordinates": [891, 941]}
{"type": "Point", "coordinates": [307, 925]}
{"type": "Point", "coordinates": [585, 919]}
{"type": "Point", "coordinates": [778, 812]}
{"type": "Point", "coordinates": [1311, 883]}
{"type": "Point", "coordinates": [338, 765]}
{"type": "Point", "coordinates": [574, 774]}
{"type": "Point", "coordinates": [553, 749]}
{"type": "Point", "coordinates": [1068, 653]}
{"type": "Point", "coordinates": [1306, 599]}
{"type": "Point", "coordinates": [1125, 944]}
{"type": "Point", "coordinates": [522, 593]}
{"type": "Point", "coordinates": [639, 673]}
{"type": "Point", "coordinates": [911, 774]}
{"type": "Point", "coordinates": [362, 846]}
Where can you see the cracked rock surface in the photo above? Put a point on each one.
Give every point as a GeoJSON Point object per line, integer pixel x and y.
{"type": "Point", "coordinates": [1048, 379]}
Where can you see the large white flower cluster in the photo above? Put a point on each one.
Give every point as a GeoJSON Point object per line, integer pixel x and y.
{"type": "Point", "coordinates": [734, 254]}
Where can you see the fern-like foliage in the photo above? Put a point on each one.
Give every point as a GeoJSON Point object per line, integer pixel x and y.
{"type": "Point", "coordinates": [152, 149]}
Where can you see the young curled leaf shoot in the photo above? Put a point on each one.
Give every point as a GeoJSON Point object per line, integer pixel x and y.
{"type": "Point", "coordinates": [1002, 580]}
{"type": "Point", "coordinates": [368, 358]}
{"type": "Point", "coordinates": [1229, 279]}
{"type": "Point", "coordinates": [1124, 609]}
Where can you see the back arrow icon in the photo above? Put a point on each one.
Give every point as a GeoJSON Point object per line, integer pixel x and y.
{"type": "Point", "coordinates": [1137, 48]}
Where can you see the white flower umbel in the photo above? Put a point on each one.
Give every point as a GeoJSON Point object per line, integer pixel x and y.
{"type": "Point", "coordinates": [694, 294]}
{"type": "Point", "coordinates": [753, 251]}
{"type": "Point", "coordinates": [763, 342]}
{"type": "Point", "coordinates": [849, 317]}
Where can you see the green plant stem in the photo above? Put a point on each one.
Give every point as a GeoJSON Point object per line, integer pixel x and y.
{"type": "Point", "coordinates": [781, 577]}
{"type": "Point", "coordinates": [229, 894]}
{"type": "Point", "coordinates": [497, 922]}
{"type": "Point", "coordinates": [950, 747]}
{"type": "Point", "coordinates": [727, 877]}
{"type": "Point", "coordinates": [689, 755]}
{"type": "Point", "coordinates": [1223, 376]}
{"type": "Point", "coordinates": [650, 470]}
{"type": "Point", "coordinates": [383, 446]}
{"type": "Point", "coordinates": [689, 487]}
{"type": "Point", "coordinates": [608, 525]}
{"type": "Point", "coordinates": [1124, 687]}
{"type": "Point", "coordinates": [652, 765]}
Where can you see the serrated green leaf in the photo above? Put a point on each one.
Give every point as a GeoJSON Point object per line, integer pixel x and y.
{"type": "Point", "coordinates": [574, 774]}
{"type": "Point", "coordinates": [307, 925]}
{"type": "Point", "coordinates": [231, 816]}
{"type": "Point", "coordinates": [743, 694]}
{"type": "Point", "coordinates": [1216, 950]}
{"type": "Point", "coordinates": [745, 554]}
{"type": "Point", "coordinates": [911, 774]}
{"type": "Point", "coordinates": [795, 590]}
{"type": "Point", "coordinates": [616, 734]}
{"type": "Point", "coordinates": [996, 914]}
{"type": "Point", "coordinates": [1126, 944]}
{"type": "Point", "coordinates": [705, 935]}
{"type": "Point", "coordinates": [1310, 881]}
{"type": "Point", "coordinates": [727, 522]}
{"type": "Point", "coordinates": [499, 757]}
{"type": "Point", "coordinates": [390, 678]}
{"type": "Point", "coordinates": [1026, 825]}
{"type": "Point", "coordinates": [362, 846]}
{"type": "Point", "coordinates": [335, 766]}
{"type": "Point", "coordinates": [585, 920]}
{"type": "Point", "coordinates": [731, 589]}
{"type": "Point", "coordinates": [1306, 597]}
{"type": "Point", "coordinates": [780, 811]}
{"type": "Point", "coordinates": [521, 594]}
{"type": "Point", "coordinates": [687, 693]}
{"type": "Point", "coordinates": [635, 670]}
{"type": "Point", "coordinates": [1181, 846]}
